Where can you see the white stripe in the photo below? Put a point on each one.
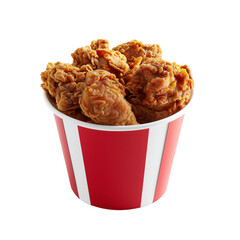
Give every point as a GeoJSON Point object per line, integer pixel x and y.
{"type": "Point", "coordinates": [75, 150]}
{"type": "Point", "coordinates": [156, 141]}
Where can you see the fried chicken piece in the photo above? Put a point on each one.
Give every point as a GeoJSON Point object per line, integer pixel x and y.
{"type": "Point", "coordinates": [109, 86]}
{"type": "Point", "coordinates": [85, 56]}
{"type": "Point", "coordinates": [99, 44]}
{"type": "Point", "coordinates": [142, 113]}
{"type": "Point", "coordinates": [146, 114]}
{"type": "Point", "coordinates": [74, 113]}
{"type": "Point", "coordinates": [65, 83]}
{"type": "Point", "coordinates": [112, 61]}
{"type": "Point", "coordinates": [67, 96]}
{"type": "Point", "coordinates": [103, 100]}
{"type": "Point", "coordinates": [97, 75]}
{"type": "Point", "coordinates": [98, 56]}
{"type": "Point", "coordinates": [137, 52]}
{"type": "Point", "coordinates": [156, 84]}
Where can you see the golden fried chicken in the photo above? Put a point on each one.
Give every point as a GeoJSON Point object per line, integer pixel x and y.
{"type": "Point", "coordinates": [97, 75]}
{"type": "Point", "coordinates": [85, 56]}
{"type": "Point", "coordinates": [158, 85]}
{"type": "Point", "coordinates": [99, 44]}
{"type": "Point", "coordinates": [98, 56]}
{"type": "Point", "coordinates": [118, 86]}
{"type": "Point", "coordinates": [142, 113]}
{"type": "Point", "coordinates": [136, 52]}
{"type": "Point", "coordinates": [146, 114]}
{"type": "Point", "coordinates": [74, 113]}
{"type": "Point", "coordinates": [112, 61]}
{"type": "Point", "coordinates": [103, 100]}
{"type": "Point", "coordinates": [65, 83]}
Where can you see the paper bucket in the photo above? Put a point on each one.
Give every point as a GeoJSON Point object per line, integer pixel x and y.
{"type": "Point", "coordinates": [118, 167]}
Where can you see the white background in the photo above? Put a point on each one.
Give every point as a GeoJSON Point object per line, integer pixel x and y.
{"type": "Point", "coordinates": [203, 196]}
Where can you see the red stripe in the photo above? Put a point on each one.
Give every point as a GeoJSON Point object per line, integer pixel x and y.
{"type": "Point", "coordinates": [66, 153]}
{"type": "Point", "coordinates": [167, 157]}
{"type": "Point", "coordinates": [114, 164]}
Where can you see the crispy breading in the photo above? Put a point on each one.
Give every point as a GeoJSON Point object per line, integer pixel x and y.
{"type": "Point", "coordinates": [83, 56]}
{"type": "Point", "coordinates": [99, 44]}
{"type": "Point", "coordinates": [103, 100]}
{"type": "Point", "coordinates": [98, 56]}
{"type": "Point", "coordinates": [136, 52]}
{"type": "Point", "coordinates": [159, 85]}
{"type": "Point", "coordinates": [142, 113]}
{"type": "Point", "coordinates": [74, 113]}
{"type": "Point", "coordinates": [97, 75]}
{"type": "Point", "coordinates": [64, 82]}
{"type": "Point", "coordinates": [112, 61]}
{"type": "Point", "coordinates": [123, 86]}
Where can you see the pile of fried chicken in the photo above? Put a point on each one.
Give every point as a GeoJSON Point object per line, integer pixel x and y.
{"type": "Point", "coordinates": [126, 85]}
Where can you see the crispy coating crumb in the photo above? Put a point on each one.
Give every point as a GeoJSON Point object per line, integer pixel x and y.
{"type": "Point", "coordinates": [68, 95]}
{"type": "Point", "coordinates": [98, 56]}
{"type": "Point", "coordinates": [74, 113]}
{"type": "Point", "coordinates": [64, 82]}
{"type": "Point", "coordinates": [142, 113]}
{"type": "Point", "coordinates": [97, 75]}
{"type": "Point", "coordinates": [112, 61]}
{"type": "Point", "coordinates": [128, 85]}
{"type": "Point", "coordinates": [99, 44]}
{"type": "Point", "coordinates": [103, 100]}
{"type": "Point", "coordinates": [161, 86]}
{"type": "Point", "coordinates": [136, 52]}
{"type": "Point", "coordinates": [85, 56]}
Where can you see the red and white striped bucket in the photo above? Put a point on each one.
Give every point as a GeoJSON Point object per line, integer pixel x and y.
{"type": "Point", "coordinates": [118, 167]}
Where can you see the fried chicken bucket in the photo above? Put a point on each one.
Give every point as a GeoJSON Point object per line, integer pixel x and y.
{"type": "Point", "coordinates": [118, 167]}
{"type": "Point", "coordinates": [119, 113]}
